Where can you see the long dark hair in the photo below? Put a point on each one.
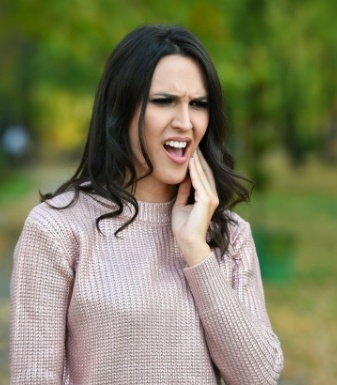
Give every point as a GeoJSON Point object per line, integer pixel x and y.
{"type": "Point", "coordinates": [107, 162]}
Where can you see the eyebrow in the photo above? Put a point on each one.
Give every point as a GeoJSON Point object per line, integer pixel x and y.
{"type": "Point", "coordinates": [174, 96]}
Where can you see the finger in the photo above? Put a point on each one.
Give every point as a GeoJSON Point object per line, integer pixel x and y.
{"type": "Point", "coordinates": [206, 176]}
{"type": "Point", "coordinates": [207, 170]}
{"type": "Point", "coordinates": [183, 191]}
{"type": "Point", "coordinates": [204, 190]}
{"type": "Point", "coordinates": [199, 181]}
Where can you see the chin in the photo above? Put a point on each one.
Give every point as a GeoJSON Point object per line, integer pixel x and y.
{"type": "Point", "coordinates": [176, 178]}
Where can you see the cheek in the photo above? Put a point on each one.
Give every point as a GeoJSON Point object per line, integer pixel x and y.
{"type": "Point", "coordinates": [200, 135]}
{"type": "Point", "coordinates": [202, 129]}
{"type": "Point", "coordinates": [153, 128]}
{"type": "Point", "coordinates": [154, 123]}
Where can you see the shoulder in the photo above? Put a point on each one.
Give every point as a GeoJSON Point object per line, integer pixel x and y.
{"type": "Point", "coordinates": [63, 214]}
{"type": "Point", "coordinates": [57, 208]}
{"type": "Point", "coordinates": [236, 224]}
{"type": "Point", "coordinates": [239, 229]}
{"type": "Point", "coordinates": [60, 223]}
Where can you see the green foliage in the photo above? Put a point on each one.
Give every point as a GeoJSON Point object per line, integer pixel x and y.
{"type": "Point", "coordinates": [14, 187]}
{"type": "Point", "coordinates": [277, 62]}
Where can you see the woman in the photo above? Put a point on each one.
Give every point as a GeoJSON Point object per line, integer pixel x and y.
{"type": "Point", "coordinates": [136, 271]}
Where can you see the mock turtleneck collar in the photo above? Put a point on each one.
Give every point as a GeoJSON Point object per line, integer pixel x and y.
{"type": "Point", "coordinates": [157, 213]}
{"type": "Point", "coordinates": [160, 213]}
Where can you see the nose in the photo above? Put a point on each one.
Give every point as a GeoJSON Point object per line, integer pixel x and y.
{"type": "Point", "coordinates": [182, 119]}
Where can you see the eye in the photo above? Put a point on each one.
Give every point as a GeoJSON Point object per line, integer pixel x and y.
{"type": "Point", "coordinates": [200, 103]}
{"type": "Point", "coordinates": [162, 101]}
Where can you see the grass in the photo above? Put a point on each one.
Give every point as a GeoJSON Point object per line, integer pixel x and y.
{"type": "Point", "coordinates": [15, 186]}
{"type": "Point", "coordinates": [302, 309]}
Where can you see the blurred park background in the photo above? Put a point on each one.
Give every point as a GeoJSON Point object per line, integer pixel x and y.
{"type": "Point", "coordinates": [277, 60]}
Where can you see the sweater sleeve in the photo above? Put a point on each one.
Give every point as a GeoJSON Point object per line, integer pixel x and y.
{"type": "Point", "coordinates": [40, 289]}
{"type": "Point", "coordinates": [237, 328]}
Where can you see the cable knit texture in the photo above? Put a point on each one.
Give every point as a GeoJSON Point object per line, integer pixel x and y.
{"type": "Point", "coordinates": [89, 308]}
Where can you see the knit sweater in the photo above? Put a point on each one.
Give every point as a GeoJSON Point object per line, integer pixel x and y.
{"type": "Point", "coordinates": [92, 308]}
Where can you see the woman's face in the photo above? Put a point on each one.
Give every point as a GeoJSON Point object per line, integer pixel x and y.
{"type": "Point", "coordinates": [176, 119]}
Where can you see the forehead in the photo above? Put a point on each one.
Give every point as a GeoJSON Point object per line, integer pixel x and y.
{"type": "Point", "coordinates": [176, 73]}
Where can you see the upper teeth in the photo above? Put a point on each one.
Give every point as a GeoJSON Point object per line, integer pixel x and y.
{"type": "Point", "coordinates": [176, 144]}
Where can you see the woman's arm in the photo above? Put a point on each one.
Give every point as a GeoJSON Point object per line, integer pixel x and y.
{"type": "Point", "coordinates": [237, 328]}
{"type": "Point", "coordinates": [40, 289]}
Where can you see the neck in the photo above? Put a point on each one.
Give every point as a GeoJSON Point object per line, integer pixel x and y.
{"type": "Point", "coordinates": [146, 192]}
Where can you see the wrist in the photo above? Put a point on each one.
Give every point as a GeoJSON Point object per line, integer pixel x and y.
{"type": "Point", "coordinates": [195, 255]}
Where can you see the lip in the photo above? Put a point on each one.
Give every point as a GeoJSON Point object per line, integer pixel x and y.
{"type": "Point", "coordinates": [178, 159]}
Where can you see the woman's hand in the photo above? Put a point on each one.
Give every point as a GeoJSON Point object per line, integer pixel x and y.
{"type": "Point", "coordinates": [190, 222]}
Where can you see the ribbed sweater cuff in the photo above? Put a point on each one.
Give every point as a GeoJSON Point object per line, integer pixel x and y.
{"type": "Point", "coordinates": [208, 285]}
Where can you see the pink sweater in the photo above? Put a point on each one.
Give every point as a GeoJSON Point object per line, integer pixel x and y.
{"type": "Point", "coordinates": [92, 309]}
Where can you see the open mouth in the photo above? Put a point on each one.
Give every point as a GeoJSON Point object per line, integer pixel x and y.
{"type": "Point", "coordinates": [176, 148]}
